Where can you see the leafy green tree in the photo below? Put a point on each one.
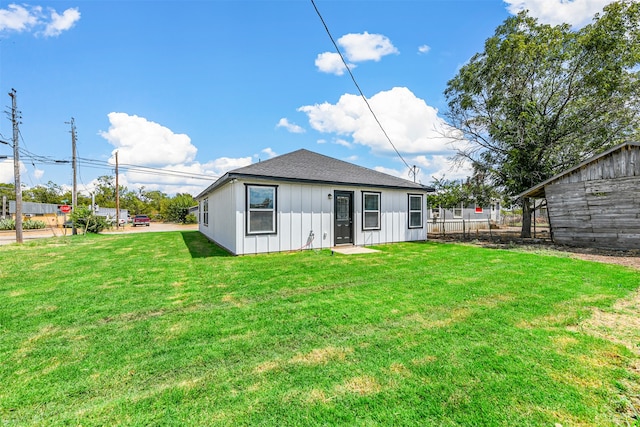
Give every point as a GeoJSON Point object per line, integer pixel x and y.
{"type": "Point", "coordinates": [542, 98]}
{"type": "Point", "coordinates": [8, 190]}
{"type": "Point", "coordinates": [105, 195]}
{"type": "Point", "coordinates": [87, 222]}
{"type": "Point", "coordinates": [153, 199]}
{"type": "Point", "coordinates": [450, 194]}
{"type": "Point", "coordinates": [176, 209]}
{"type": "Point", "coordinates": [130, 200]}
{"type": "Point", "coordinates": [48, 193]}
{"type": "Point", "coordinates": [105, 191]}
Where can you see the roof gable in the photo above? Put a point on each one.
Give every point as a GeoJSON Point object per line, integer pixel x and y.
{"type": "Point", "coordinates": [538, 190]}
{"type": "Point", "coordinates": [307, 166]}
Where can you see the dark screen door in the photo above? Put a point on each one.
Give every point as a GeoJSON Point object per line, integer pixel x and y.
{"type": "Point", "coordinates": [344, 217]}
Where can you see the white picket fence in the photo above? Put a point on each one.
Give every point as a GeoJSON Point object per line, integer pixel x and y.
{"type": "Point", "coordinates": [457, 225]}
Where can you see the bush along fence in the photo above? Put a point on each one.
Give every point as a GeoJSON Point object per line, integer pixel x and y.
{"type": "Point", "coordinates": [10, 224]}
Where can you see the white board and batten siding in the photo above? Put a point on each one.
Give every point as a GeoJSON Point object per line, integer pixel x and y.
{"type": "Point", "coordinates": [305, 217]}
{"type": "Point", "coordinates": [598, 204]}
{"type": "Point", "coordinates": [220, 226]}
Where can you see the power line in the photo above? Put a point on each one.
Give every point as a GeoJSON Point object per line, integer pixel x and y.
{"type": "Point", "coordinates": [37, 159]}
{"type": "Point", "coordinates": [358, 86]}
{"type": "Point", "coordinates": [103, 165]}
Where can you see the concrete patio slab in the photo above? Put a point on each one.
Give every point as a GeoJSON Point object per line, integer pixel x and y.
{"type": "Point", "coordinates": [352, 250]}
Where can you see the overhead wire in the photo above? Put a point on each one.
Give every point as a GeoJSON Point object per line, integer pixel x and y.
{"type": "Point", "coordinates": [357, 85]}
{"type": "Point", "coordinates": [24, 143]}
{"type": "Point", "coordinates": [37, 159]}
{"type": "Point", "coordinates": [146, 169]}
{"type": "Point", "coordinates": [34, 159]}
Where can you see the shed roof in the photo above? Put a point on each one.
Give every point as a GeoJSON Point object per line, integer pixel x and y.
{"type": "Point", "coordinates": [538, 190]}
{"type": "Point", "coordinates": [309, 167]}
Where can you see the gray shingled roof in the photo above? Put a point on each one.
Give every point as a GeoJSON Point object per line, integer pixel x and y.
{"type": "Point", "coordinates": [309, 167]}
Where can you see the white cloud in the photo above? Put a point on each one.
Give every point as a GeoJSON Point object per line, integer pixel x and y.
{"type": "Point", "coordinates": [223, 165]}
{"type": "Point", "coordinates": [16, 18]}
{"type": "Point", "coordinates": [366, 47]}
{"type": "Point", "coordinates": [343, 142]}
{"type": "Point", "coordinates": [142, 142]}
{"type": "Point", "coordinates": [291, 127]}
{"type": "Point", "coordinates": [329, 62]}
{"type": "Point", "coordinates": [60, 23]}
{"type": "Point", "coordinates": [424, 49]}
{"type": "Point", "coordinates": [575, 12]}
{"type": "Point", "coordinates": [357, 48]}
{"type": "Point", "coordinates": [412, 125]}
{"type": "Point", "coordinates": [392, 172]}
{"type": "Point", "coordinates": [440, 166]}
{"type": "Point", "coordinates": [7, 174]}
{"type": "Point", "coordinates": [166, 179]}
{"type": "Point", "coordinates": [21, 18]}
{"type": "Point", "coordinates": [430, 167]}
{"type": "Point", "coordinates": [269, 152]}
{"type": "Point", "coordinates": [338, 141]}
{"type": "Point", "coordinates": [6, 171]}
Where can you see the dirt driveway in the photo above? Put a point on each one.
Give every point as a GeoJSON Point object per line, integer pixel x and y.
{"type": "Point", "coordinates": [509, 239]}
{"type": "Point", "coordinates": [8, 237]}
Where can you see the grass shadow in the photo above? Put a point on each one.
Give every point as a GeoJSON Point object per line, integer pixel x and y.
{"type": "Point", "coordinates": [201, 247]}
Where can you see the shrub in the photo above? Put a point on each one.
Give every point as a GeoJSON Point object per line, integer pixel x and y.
{"type": "Point", "coordinates": [190, 219]}
{"type": "Point", "coordinates": [31, 224]}
{"type": "Point", "coordinates": [10, 224]}
{"type": "Point", "coordinates": [85, 220]}
{"type": "Point", "coordinates": [7, 224]}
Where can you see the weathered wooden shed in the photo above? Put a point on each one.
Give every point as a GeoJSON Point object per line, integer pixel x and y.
{"type": "Point", "coordinates": [596, 203]}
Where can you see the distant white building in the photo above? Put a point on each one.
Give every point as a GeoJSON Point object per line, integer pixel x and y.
{"type": "Point", "coordinates": [51, 214]}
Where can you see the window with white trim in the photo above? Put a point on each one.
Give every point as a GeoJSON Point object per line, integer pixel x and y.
{"type": "Point", "coordinates": [205, 211]}
{"type": "Point", "coordinates": [415, 211]}
{"type": "Point", "coordinates": [261, 209]}
{"type": "Point", "coordinates": [370, 211]}
{"type": "Point", "coordinates": [457, 211]}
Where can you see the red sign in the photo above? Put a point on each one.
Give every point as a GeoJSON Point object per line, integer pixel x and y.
{"type": "Point", "coordinates": [65, 208]}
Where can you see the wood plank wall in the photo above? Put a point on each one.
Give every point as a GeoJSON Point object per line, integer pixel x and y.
{"type": "Point", "coordinates": [599, 204]}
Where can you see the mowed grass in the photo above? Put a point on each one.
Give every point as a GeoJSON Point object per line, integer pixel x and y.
{"type": "Point", "coordinates": [166, 329]}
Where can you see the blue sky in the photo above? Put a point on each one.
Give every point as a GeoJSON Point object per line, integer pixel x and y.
{"type": "Point", "coordinates": [202, 87]}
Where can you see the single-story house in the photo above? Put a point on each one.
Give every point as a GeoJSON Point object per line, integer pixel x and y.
{"type": "Point", "coordinates": [471, 212]}
{"type": "Point", "coordinates": [464, 217]}
{"type": "Point", "coordinates": [305, 200]}
{"type": "Point", "coordinates": [596, 203]}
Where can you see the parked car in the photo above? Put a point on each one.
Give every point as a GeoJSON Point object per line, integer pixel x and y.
{"type": "Point", "coordinates": [112, 220]}
{"type": "Point", "coordinates": [141, 220]}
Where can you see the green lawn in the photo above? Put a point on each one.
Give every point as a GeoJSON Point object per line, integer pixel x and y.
{"type": "Point", "coordinates": [166, 329]}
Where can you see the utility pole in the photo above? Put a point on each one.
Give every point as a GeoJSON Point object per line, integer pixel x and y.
{"type": "Point", "coordinates": [117, 195]}
{"type": "Point", "coordinates": [414, 171]}
{"type": "Point", "coordinates": [74, 194]}
{"type": "Point", "coordinates": [16, 165]}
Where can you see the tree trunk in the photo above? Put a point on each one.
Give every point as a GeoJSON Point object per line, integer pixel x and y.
{"type": "Point", "coordinates": [444, 222]}
{"type": "Point", "coordinates": [526, 218]}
